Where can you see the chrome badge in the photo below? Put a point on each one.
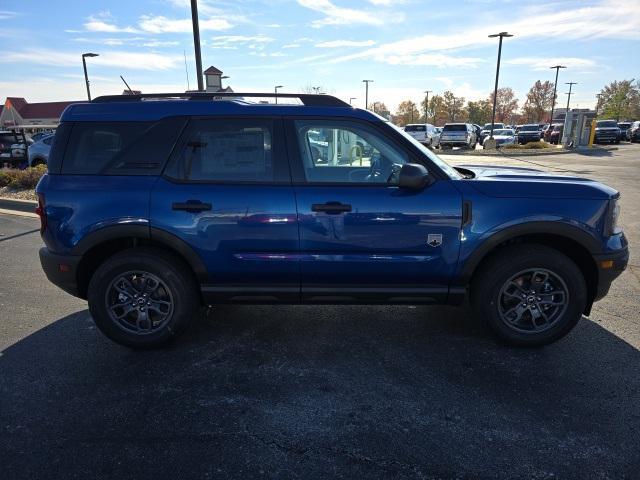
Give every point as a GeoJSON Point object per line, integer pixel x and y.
{"type": "Point", "coordinates": [434, 239]}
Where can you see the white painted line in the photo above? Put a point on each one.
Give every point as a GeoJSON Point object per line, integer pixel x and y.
{"type": "Point", "coordinates": [18, 213]}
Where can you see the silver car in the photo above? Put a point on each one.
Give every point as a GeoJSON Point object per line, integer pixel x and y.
{"type": "Point", "coordinates": [39, 151]}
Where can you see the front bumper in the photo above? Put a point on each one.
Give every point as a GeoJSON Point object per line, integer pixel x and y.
{"type": "Point", "coordinates": [61, 270]}
{"type": "Point", "coordinates": [610, 266]}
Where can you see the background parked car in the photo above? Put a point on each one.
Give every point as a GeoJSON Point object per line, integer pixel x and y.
{"type": "Point", "coordinates": [555, 135]}
{"type": "Point", "coordinates": [504, 136]}
{"type": "Point", "coordinates": [437, 131]}
{"type": "Point", "coordinates": [634, 132]}
{"type": "Point", "coordinates": [484, 133]}
{"type": "Point", "coordinates": [528, 133]}
{"type": "Point", "coordinates": [458, 135]}
{"type": "Point", "coordinates": [39, 150]}
{"type": "Point", "coordinates": [624, 127]}
{"type": "Point", "coordinates": [13, 148]}
{"type": "Point", "coordinates": [422, 132]}
{"type": "Point", "coordinates": [607, 131]}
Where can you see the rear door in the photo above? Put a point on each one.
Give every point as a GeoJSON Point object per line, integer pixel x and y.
{"type": "Point", "coordinates": [227, 192]}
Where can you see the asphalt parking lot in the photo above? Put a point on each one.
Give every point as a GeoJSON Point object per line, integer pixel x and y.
{"type": "Point", "coordinates": [321, 392]}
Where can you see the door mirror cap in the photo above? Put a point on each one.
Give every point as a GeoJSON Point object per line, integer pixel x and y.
{"type": "Point", "coordinates": [413, 176]}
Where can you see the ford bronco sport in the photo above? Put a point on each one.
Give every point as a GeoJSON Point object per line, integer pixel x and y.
{"type": "Point", "coordinates": [154, 205]}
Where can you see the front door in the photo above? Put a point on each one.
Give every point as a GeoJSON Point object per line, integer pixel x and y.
{"type": "Point", "coordinates": [227, 193]}
{"type": "Point", "coordinates": [361, 237]}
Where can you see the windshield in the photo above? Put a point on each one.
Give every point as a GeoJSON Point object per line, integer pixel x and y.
{"type": "Point", "coordinates": [529, 128]}
{"type": "Point", "coordinates": [415, 128]}
{"type": "Point", "coordinates": [444, 166]}
{"type": "Point", "coordinates": [487, 126]}
{"type": "Point", "coordinates": [455, 127]}
{"type": "Point", "coordinates": [503, 132]}
{"type": "Point", "coordinates": [607, 124]}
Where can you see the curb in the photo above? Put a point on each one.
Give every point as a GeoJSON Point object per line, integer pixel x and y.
{"type": "Point", "coordinates": [16, 206]}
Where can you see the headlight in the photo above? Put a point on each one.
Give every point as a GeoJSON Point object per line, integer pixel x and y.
{"type": "Point", "coordinates": [611, 226]}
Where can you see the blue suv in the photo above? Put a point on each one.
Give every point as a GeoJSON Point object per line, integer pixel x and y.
{"type": "Point", "coordinates": [155, 205]}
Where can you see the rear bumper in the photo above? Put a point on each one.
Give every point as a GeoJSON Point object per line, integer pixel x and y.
{"type": "Point", "coordinates": [610, 266]}
{"type": "Point", "coordinates": [61, 270]}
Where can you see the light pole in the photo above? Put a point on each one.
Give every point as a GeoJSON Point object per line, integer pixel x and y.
{"type": "Point", "coordinates": [275, 90]}
{"type": "Point", "coordinates": [84, 66]}
{"type": "Point", "coordinates": [352, 99]}
{"type": "Point", "coordinates": [555, 85]}
{"type": "Point", "coordinates": [196, 43]}
{"type": "Point", "coordinates": [571, 84]}
{"type": "Point", "coordinates": [426, 107]}
{"type": "Point", "coordinates": [366, 93]}
{"type": "Point", "coordinates": [501, 35]}
{"type": "Point", "coordinates": [598, 103]}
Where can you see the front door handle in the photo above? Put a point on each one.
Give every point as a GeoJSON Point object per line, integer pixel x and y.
{"type": "Point", "coordinates": [191, 206]}
{"type": "Point", "coordinates": [331, 208]}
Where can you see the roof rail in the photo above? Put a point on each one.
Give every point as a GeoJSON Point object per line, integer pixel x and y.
{"type": "Point", "coordinates": [309, 100]}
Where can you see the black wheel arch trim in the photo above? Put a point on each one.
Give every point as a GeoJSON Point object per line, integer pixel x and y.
{"type": "Point", "coordinates": [144, 232]}
{"type": "Point", "coordinates": [568, 231]}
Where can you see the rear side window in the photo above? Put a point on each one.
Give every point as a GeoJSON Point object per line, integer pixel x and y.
{"type": "Point", "coordinates": [225, 150]}
{"type": "Point", "coordinates": [120, 148]}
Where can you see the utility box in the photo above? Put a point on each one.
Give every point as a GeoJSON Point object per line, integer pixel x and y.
{"type": "Point", "coordinates": [577, 127]}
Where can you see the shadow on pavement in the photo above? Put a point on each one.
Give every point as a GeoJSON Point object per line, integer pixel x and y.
{"type": "Point", "coordinates": [308, 392]}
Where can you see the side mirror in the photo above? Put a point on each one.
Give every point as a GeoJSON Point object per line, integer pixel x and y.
{"type": "Point", "coordinates": [413, 176]}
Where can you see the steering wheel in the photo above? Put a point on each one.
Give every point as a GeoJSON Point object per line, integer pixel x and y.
{"type": "Point", "coordinates": [375, 172]}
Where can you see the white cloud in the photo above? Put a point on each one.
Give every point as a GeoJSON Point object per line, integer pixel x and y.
{"type": "Point", "coordinates": [544, 63]}
{"type": "Point", "coordinates": [345, 43]}
{"type": "Point", "coordinates": [7, 14]}
{"type": "Point", "coordinates": [439, 60]}
{"type": "Point", "coordinates": [291, 45]}
{"type": "Point", "coordinates": [122, 59]}
{"type": "Point", "coordinates": [335, 15]}
{"type": "Point", "coordinates": [161, 24]}
{"type": "Point", "coordinates": [103, 22]}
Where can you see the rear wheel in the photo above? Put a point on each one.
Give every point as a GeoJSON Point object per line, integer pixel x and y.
{"type": "Point", "coordinates": [530, 295]}
{"type": "Point", "coordinates": [142, 297]}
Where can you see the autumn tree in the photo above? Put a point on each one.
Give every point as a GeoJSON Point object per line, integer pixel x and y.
{"type": "Point", "coordinates": [620, 100]}
{"type": "Point", "coordinates": [407, 113]}
{"type": "Point", "coordinates": [380, 108]}
{"type": "Point", "coordinates": [538, 102]}
{"type": "Point", "coordinates": [437, 112]}
{"type": "Point", "coordinates": [453, 106]}
{"type": "Point", "coordinates": [479, 112]}
{"type": "Point", "coordinates": [506, 104]}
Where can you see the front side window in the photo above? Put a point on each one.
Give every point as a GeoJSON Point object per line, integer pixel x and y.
{"type": "Point", "coordinates": [347, 152]}
{"type": "Point", "coordinates": [225, 150]}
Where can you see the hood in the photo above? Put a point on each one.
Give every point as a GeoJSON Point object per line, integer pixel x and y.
{"type": "Point", "coordinates": [501, 181]}
{"type": "Point", "coordinates": [504, 137]}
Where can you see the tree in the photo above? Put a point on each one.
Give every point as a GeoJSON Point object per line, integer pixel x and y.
{"type": "Point", "coordinates": [620, 100]}
{"type": "Point", "coordinates": [506, 104]}
{"type": "Point", "coordinates": [407, 113]}
{"type": "Point", "coordinates": [453, 106]}
{"type": "Point", "coordinates": [538, 103]}
{"type": "Point", "coordinates": [479, 112]}
{"type": "Point", "coordinates": [438, 114]}
{"type": "Point", "coordinates": [380, 108]}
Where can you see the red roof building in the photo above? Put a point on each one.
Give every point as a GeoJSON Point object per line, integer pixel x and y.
{"type": "Point", "coordinates": [17, 111]}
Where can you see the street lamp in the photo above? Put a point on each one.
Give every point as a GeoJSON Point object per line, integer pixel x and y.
{"type": "Point", "coordinates": [426, 107]}
{"type": "Point", "coordinates": [501, 35]}
{"type": "Point", "coordinates": [555, 85]}
{"type": "Point", "coordinates": [275, 89]}
{"type": "Point", "coordinates": [366, 93]}
{"type": "Point", "coordinates": [352, 99]}
{"type": "Point", "coordinates": [196, 43]}
{"type": "Point", "coordinates": [84, 66]}
{"type": "Point", "coordinates": [598, 104]}
{"type": "Point", "coordinates": [571, 84]}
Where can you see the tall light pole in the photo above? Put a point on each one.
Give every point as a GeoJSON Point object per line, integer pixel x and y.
{"type": "Point", "coordinates": [598, 103]}
{"type": "Point", "coordinates": [555, 85]}
{"type": "Point", "coordinates": [84, 66]}
{"type": "Point", "coordinates": [352, 99]}
{"type": "Point", "coordinates": [426, 106]}
{"type": "Point", "coordinates": [501, 35]}
{"type": "Point", "coordinates": [571, 84]}
{"type": "Point", "coordinates": [275, 90]}
{"type": "Point", "coordinates": [196, 43]}
{"type": "Point", "coordinates": [366, 93]}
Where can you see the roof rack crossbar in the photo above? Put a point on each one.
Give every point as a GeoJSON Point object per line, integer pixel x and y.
{"type": "Point", "coordinates": [310, 100]}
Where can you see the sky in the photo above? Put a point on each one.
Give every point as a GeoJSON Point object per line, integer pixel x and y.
{"type": "Point", "coordinates": [404, 46]}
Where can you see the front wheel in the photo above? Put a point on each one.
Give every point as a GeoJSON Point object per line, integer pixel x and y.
{"type": "Point", "coordinates": [143, 297]}
{"type": "Point", "coordinates": [530, 295]}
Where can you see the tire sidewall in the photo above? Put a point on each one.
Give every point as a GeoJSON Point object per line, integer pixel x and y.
{"type": "Point", "coordinates": [182, 291]}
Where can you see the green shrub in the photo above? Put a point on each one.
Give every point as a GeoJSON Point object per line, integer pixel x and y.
{"type": "Point", "coordinates": [26, 179]}
{"type": "Point", "coordinates": [529, 146]}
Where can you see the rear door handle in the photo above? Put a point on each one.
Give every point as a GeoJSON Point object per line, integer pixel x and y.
{"type": "Point", "coordinates": [331, 208]}
{"type": "Point", "coordinates": [191, 206]}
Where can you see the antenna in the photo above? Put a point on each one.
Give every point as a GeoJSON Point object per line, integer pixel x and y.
{"type": "Point", "coordinates": [128, 87]}
{"type": "Point", "coordinates": [186, 70]}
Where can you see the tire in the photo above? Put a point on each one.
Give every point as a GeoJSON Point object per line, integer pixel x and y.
{"type": "Point", "coordinates": [496, 296]}
{"type": "Point", "coordinates": [171, 305]}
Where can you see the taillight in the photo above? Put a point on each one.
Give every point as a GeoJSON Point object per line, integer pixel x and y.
{"type": "Point", "coordinates": [41, 212]}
